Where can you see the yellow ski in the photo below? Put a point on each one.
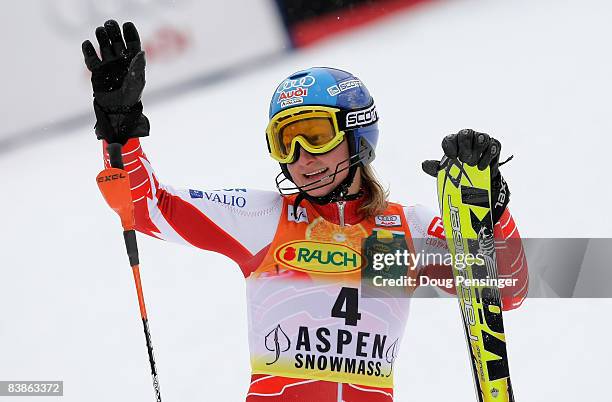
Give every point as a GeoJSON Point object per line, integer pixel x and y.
{"type": "Point", "coordinates": [464, 195]}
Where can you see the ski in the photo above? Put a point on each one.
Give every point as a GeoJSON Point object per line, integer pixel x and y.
{"type": "Point", "coordinates": [464, 196]}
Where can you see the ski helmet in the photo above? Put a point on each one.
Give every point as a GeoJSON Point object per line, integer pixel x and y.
{"type": "Point", "coordinates": [350, 105]}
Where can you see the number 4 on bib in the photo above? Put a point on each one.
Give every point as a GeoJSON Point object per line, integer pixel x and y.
{"type": "Point", "coordinates": [348, 298]}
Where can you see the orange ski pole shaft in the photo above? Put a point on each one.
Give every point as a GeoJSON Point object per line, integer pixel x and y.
{"type": "Point", "coordinates": [114, 185]}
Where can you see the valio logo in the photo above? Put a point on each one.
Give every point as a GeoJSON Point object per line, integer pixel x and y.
{"type": "Point", "coordinates": [318, 257]}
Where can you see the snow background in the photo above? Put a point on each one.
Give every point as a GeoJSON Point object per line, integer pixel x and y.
{"type": "Point", "coordinates": [535, 74]}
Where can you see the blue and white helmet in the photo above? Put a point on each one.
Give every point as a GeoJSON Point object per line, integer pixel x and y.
{"type": "Point", "coordinates": [324, 86]}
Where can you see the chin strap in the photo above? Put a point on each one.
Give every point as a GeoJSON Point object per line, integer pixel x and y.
{"type": "Point", "coordinates": [340, 193]}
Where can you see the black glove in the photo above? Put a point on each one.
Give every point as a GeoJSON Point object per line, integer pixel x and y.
{"type": "Point", "coordinates": [117, 80]}
{"type": "Point", "coordinates": [480, 149]}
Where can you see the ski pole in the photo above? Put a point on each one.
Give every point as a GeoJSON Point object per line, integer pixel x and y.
{"type": "Point", "coordinates": [114, 185]}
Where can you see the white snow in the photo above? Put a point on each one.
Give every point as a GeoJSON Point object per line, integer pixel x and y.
{"type": "Point", "coordinates": [535, 74]}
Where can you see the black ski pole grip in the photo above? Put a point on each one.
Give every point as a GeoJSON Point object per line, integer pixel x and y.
{"type": "Point", "coordinates": [444, 161]}
{"type": "Point", "coordinates": [131, 246]}
{"type": "Point", "coordinates": [114, 154]}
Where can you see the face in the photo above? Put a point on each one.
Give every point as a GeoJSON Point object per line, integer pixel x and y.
{"type": "Point", "coordinates": [312, 167]}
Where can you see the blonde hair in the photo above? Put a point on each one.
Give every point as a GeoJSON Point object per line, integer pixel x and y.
{"type": "Point", "coordinates": [376, 195]}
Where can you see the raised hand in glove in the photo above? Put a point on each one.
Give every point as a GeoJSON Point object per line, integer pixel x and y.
{"type": "Point", "coordinates": [479, 149]}
{"type": "Point", "coordinates": [118, 79]}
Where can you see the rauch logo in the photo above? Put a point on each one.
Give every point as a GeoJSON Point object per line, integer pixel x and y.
{"type": "Point", "coordinates": [319, 257]}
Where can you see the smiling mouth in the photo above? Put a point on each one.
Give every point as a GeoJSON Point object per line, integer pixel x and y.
{"type": "Point", "coordinates": [316, 174]}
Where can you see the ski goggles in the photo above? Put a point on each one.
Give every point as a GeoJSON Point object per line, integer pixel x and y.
{"type": "Point", "coordinates": [318, 129]}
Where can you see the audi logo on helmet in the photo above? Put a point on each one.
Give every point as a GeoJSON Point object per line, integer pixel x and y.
{"type": "Point", "coordinates": [306, 81]}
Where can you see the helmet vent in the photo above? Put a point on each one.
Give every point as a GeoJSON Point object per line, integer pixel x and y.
{"type": "Point", "coordinates": [298, 75]}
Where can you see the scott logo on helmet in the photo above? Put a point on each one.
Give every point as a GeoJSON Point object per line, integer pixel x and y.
{"type": "Point", "coordinates": [343, 86]}
{"type": "Point", "coordinates": [320, 257]}
{"type": "Point", "coordinates": [306, 81]}
{"type": "Point", "coordinates": [362, 117]}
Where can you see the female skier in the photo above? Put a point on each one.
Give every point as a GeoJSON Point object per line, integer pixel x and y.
{"type": "Point", "coordinates": [313, 334]}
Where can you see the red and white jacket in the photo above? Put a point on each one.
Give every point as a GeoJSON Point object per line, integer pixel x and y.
{"type": "Point", "coordinates": [293, 340]}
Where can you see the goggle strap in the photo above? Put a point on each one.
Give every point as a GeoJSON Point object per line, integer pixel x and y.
{"type": "Point", "coordinates": [353, 119]}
